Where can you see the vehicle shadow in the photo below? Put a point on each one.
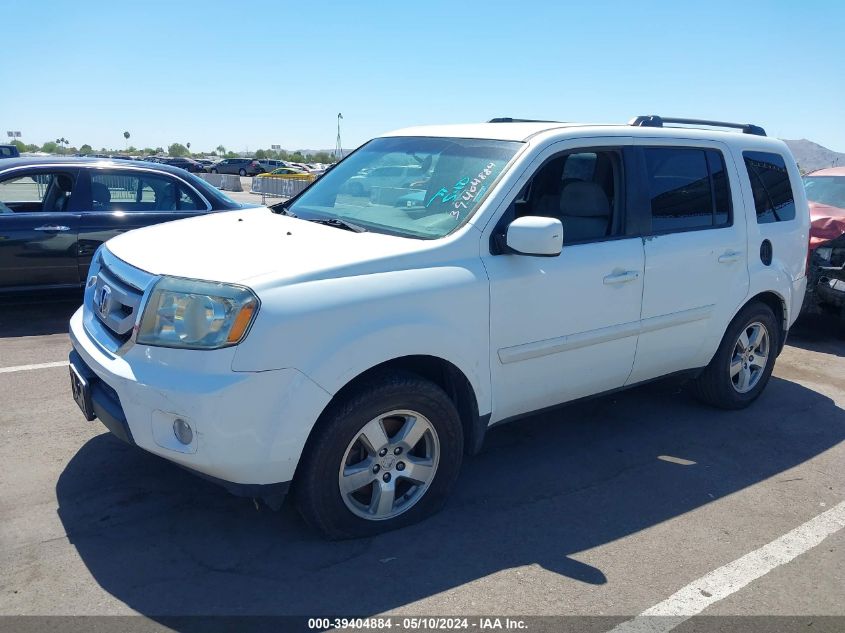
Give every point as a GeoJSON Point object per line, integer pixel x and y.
{"type": "Point", "coordinates": [37, 316]}
{"type": "Point", "coordinates": [167, 543]}
{"type": "Point", "coordinates": [818, 333]}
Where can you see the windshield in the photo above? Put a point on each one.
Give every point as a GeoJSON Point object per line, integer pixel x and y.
{"type": "Point", "coordinates": [411, 186]}
{"type": "Point", "coordinates": [829, 190]}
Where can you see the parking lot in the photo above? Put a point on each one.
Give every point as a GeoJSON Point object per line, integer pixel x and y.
{"type": "Point", "coordinates": [603, 508]}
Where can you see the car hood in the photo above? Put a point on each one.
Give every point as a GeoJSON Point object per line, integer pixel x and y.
{"type": "Point", "coordinates": [237, 246]}
{"type": "Point", "coordinates": [826, 223]}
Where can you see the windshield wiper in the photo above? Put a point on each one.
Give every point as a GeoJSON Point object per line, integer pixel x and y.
{"type": "Point", "coordinates": [338, 223]}
{"type": "Point", "coordinates": [282, 209]}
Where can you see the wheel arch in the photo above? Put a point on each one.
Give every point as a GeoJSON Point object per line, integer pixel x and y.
{"type": "Point", "coordinates": [441, 372]}
{"type": "Point", "coordinates": [778, 305]}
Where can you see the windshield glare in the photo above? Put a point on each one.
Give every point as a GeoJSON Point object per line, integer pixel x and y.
{"type": "Point", "coordinates": [411, 186]}
{"type": "Point", "coordinates": [829, 190]}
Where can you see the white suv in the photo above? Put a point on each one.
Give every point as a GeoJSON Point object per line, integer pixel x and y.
{"type": "Point", "coordinates": [355, 351]}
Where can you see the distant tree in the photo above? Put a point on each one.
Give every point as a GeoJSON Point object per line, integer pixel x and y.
{"type": "Point", "coordinates": [231, 155]}
{"type": "Point", "coordinates": [21, 147]}
{"type": "Point", "coordinates": [221, 150]}
{"type": "Point", "coordinates": [50, 147]}
{"type": "Point", "coordinates": [31, 147]}
{"type": "Point", "coordinates": [126, 137]}
{"type": "Point", "coordinates": [159, 150]}
{"type": "Point", "coordinates": [132, 150]}
{"type": "Point", "coordinates": [260, 154]}
{"type": "Point", "coordinates": [86, 149]}
{"type": "Point", "coordinates": [177, 149]}
{"type": "Point", "coordinates": [322, 157]}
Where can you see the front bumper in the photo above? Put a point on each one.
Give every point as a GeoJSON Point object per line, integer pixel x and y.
{"type": "Point", "coordinates": [249, 428]}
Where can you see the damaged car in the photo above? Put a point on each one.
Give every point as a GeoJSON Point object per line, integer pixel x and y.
{"type": "Point", "coordinates": [826, 261]}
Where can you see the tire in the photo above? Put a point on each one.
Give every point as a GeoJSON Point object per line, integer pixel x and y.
{"type": "Point", "coordinates": [336, 449]}
{"type": "Point", "coordinates": [735, 378]}
{"type": "Point", "coordinates": [213, 171]}
{"type": "Point", "coordinates": [242, 172]}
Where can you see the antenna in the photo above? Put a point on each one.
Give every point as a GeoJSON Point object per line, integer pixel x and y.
{"type": "Point", "coordinates": [338, 148]}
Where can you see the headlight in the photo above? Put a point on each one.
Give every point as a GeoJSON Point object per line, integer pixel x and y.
{"type": "Point", "coordinates": [197, 314]}
{"type": "Point", "coordinates": [824, 252]}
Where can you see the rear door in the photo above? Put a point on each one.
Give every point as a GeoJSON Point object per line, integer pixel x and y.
{"type": "Point", "coordinates": [39, 222]}
{"type": "Point", "coordinates": [119, 200]}
{"type": "Point", "coordinates": [696, 275]}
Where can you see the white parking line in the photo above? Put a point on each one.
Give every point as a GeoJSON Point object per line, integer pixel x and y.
{"type": "Point", "coordinates": [722, 582]}
{"type": "Point", "coordinates": [9, 370]}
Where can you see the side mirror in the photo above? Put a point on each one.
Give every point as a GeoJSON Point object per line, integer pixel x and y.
{"type": "Point", "coordinates": [535, 235]}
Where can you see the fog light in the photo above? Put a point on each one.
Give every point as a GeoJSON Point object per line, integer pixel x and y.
{"type": "Point", "coordinates": [183, 432]}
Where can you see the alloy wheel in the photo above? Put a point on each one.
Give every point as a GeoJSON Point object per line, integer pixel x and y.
{"type": "Point", "coordinates": [750, 356]}
{"type": "Point", "coordinates": [389, 465]}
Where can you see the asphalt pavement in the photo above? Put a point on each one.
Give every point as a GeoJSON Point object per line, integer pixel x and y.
{"type": "Point", "coordinates": [643, 500]}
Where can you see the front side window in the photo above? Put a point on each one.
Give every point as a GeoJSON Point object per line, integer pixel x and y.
{"type": "Point", "coordinates": [36, 192]}
{"type": "Point", "coordinates": [688, 188]}
{"type": "Point", "coordinates": [410, 186]}
{"type": "Point", "coordinates": [771, 187]}
{"type": "Point", "coordinates": [582, 189]}
{"type": "Point", "coordinates": [138, 193]}
{"type": "Point", "coordinates": [829, 190]}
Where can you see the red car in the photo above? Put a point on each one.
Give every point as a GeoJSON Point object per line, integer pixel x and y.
{"type": "Point", "coordinates": [826, 283]}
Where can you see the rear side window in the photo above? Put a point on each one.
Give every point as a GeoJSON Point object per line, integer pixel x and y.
{"type": "Point", "coordinates": [132, 192]}
{"type": "Point", "coordinates": [688, 188]}
{"type": "Point", "coordinates": [770, 184]}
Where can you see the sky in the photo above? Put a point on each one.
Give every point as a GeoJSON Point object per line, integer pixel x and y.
{"type": "Point", "coordinates": [249, 75]}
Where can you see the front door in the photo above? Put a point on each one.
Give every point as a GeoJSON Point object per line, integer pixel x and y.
{"type": "Point", "coordinates": [38, 229]}
{"type": "Point", "coordinates": [566, 327]}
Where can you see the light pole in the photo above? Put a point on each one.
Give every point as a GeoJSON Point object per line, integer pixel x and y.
{"type": "Point", "coordinates": [338, 148]}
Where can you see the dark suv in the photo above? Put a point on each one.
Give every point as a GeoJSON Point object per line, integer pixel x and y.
{"type": "Point", "coordinates": [241, 166]}
{"type": "Point", "coordinates": [188, 164]}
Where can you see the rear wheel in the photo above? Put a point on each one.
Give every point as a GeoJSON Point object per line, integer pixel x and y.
{"type": "Point", "coordinates": [383, 457]}
{"type": "Point", "coordinates": [242, 172]}
{"type": "Point", "coordinates": [744, 361]}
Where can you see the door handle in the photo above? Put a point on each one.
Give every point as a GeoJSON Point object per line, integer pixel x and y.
{"type": "Point", "coordinates": [730, 257]}
{"type": "Point", "coordinates": [52, 227]}
{"type": "Point", "coordinates": [621, 278]}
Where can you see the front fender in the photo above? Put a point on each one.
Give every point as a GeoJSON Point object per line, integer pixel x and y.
{"type": "Point", "coordinates": [332, 330]}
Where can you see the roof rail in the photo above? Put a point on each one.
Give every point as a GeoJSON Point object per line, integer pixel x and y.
{"type": "Point", "coordinates": [507, 119]}
{"type": "Point", "coordinates": [657, 121]}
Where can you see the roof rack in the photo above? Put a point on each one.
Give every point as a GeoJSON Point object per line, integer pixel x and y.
{"type": "Point", "coordinates": [507, 119]}
{"type": "Point", "coordinates": [657, 121]}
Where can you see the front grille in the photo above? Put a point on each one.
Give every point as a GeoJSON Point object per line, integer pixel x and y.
{"type": "Point", "coordinates": [114, 298]}
{"type": "Point", "coordinates": [115, 303]}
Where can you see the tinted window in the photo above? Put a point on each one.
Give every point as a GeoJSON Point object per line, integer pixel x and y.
{"type": "Point", "coordinates": [135, 193]}
{"type": "Point", "coordinates": [721, 189]}
{"type": "Point", "coordinates": [688, 188]}
{"type": "Point", "coordinates": [770, 184]}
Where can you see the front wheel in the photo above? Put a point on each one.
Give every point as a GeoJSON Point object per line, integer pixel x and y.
{"type": "Point", "coordinates": [744, 361]}
{"type": "Point", "coordinates": [382, 458]}
{"type": "Point", "coordinates": [213, 171]}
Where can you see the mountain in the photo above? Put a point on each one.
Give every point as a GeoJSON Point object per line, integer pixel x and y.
{"type": "Point", "coordinates": [812, 156]}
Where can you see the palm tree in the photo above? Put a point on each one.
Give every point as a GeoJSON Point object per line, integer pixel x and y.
{"type": "Point", "coordinates": [126, 136]}
{"type": "Point", "coordinates": [62, 142]}
{"type": "Point", "coordinates": [221, 150]}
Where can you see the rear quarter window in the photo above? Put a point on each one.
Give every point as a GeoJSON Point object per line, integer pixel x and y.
{"type": "Point", "coordinates": [770, 184]}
